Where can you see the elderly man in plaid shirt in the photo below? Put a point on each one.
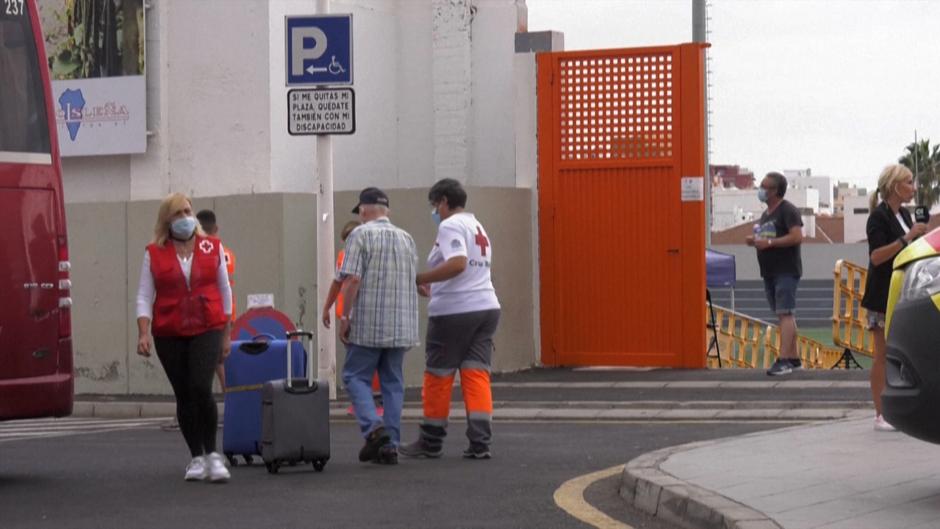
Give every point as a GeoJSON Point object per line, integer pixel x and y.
{"type": "Point", "coordinates": [379, 321]}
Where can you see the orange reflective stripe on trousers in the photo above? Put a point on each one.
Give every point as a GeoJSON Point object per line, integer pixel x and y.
{"type": "Point", "coordinates": [477, 396]}
{"type": "Point", "coordinates": [436, 395]}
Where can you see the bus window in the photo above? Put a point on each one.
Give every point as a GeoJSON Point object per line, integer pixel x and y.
{"type": "Point", "coordinates": [24, 127]}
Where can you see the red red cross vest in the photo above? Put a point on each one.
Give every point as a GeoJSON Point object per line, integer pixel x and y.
{"type": "Point", "coordinates": [182, 311]}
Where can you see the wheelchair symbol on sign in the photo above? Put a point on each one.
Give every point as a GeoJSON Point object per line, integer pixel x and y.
{"type": "Point", "coordinates": [335, 67]}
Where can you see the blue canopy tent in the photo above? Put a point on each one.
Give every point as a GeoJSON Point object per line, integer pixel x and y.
{"type": "Point", "coordinates": [719, 272]}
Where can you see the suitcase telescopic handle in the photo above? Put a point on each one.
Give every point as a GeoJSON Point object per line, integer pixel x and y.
{"type": "Point", "coordinates": [309, 350]}
{"type": "Point", "coordinates": [300, 390]}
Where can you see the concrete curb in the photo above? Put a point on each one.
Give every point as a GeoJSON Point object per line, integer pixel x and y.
{"type": "Point", "coordinates": [518, 411]}
{"type": "Point", "coordinates": [648, 488]}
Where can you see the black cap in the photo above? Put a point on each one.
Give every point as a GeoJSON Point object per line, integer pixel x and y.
{"type": "Point", "coordinates": [371, 195]}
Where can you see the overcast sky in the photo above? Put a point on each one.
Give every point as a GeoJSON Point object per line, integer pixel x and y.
{"type": "Point", "coordinates": [837, 86]}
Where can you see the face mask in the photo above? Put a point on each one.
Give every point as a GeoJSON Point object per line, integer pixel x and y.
{"type": "Point", "coordinates": [183, 228]}
{"type": "Point", "coordinates": [436, 217]}
{"type": "Point", "coordinates": [762, 194]}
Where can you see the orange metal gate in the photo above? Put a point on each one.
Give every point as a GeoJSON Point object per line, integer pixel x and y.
{"type": "Point", "coordinates": [621, 142]}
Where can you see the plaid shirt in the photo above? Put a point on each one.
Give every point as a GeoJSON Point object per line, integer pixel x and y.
{"type": "Point", "coordinates": [385, 313]}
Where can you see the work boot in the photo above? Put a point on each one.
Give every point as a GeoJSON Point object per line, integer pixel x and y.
{"type": "Point", "coordinates": [477, 451]}
{"type": "Point", "coordinates": [421, 448]}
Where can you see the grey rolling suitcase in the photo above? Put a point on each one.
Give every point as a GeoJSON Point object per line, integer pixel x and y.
{"type": "Point", "coordinates": [295, 418]}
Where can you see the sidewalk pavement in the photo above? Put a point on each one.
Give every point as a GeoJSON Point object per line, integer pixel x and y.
{"type": "Point", "coordinates": [539, 411]}
{"type": "Point", "coordinates": [834, 475]}
{"type": "Point", "coordinates": [605, 395]}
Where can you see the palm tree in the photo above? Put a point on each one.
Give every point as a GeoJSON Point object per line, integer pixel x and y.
{"type": "Point", "coordinates": [926, 170]}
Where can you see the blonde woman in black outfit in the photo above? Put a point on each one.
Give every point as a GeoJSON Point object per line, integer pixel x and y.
{"type": "Point", "coordinates": [889, 230]}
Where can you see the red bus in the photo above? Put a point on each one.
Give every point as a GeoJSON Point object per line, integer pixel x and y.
{"type": "Point", "coordinates": [36, 378]}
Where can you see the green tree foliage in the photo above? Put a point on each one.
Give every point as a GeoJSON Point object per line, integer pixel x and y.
{"type": "Point", "coordinates": [96, 38]}
{"type": "Point", "coordinates": [924, 161]}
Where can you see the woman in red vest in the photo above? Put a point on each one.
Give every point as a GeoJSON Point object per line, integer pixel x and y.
{"type": "Point", "coordinates": [184, 300]}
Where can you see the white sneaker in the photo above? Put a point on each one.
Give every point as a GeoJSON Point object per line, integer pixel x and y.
{"type": "Point", "coordinates": [881, 425]}
{"type": "Point", "coordinates": [197, 470]}
{"type": "Point", "coordinates": [217, 471]}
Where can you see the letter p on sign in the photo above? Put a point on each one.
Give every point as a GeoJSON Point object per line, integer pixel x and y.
{"type": "Point", "coordinates": [301, 52]}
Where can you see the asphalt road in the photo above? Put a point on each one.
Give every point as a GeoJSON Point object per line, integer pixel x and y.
{"type": "Point", "coordinates": [133, 479]}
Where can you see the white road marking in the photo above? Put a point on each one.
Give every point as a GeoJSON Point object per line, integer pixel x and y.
{"type": "Point", "coordinates": [45, 428]}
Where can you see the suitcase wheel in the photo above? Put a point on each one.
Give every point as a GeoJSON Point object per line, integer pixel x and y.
{"type": "Point", "coordinates": [231, 459]}
{"type": "Point", "coordinates": [272, 467]}
{"type": "Point", "coordinates": [249, 459]}
{"type": "Point", "coordinates": [318, 464]}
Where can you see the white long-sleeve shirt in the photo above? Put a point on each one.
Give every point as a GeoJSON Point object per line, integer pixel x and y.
{"type": "Point", "coordinates": [146, 292]}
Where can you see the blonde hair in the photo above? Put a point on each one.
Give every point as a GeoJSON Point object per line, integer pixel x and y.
{"type": "Point", "coordinates": [173, 203]}
{"type": "Point", "coordinates": [891, 176]}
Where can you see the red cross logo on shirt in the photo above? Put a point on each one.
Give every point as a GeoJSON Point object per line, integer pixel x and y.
{"type": "Point", "coordinates": [206, 246]}
{"type": "Point", "coordinates": [481, 241]}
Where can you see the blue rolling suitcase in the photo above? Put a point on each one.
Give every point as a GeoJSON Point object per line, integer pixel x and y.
{"type": "Point", "coordinates": [251, 364]}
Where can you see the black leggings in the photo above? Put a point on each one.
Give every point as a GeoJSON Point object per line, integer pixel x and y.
{"type": "Point", "coordinates": [190, 363]}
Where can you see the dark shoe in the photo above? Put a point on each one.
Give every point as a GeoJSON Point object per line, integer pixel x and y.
{"type": "Point", "coordinates": [388, 455]}
{"type": "Point", "coordinates": [421, 448]}
{"type": "Point", "coordinates": [477, 452]}
{"type": "Point", "coordinates": [374, 441]}
{"type": "Point", "coordinates": [781, 366]}
{"type": "Point", "coordinates": [795, 363]}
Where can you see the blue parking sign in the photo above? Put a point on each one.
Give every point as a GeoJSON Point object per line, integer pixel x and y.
{"type": "Point", "coordinates": [319, 50]}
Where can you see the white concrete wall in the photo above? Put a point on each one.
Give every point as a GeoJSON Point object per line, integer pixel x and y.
{"type": "Point", "coordinates": [730, 206]}
{"type": "Point", "coordinates": [525, 113]}
{"type": "Point", "coordinates": [854, 223]}
{"type": "Point", "coordinates": [436, 94]}
{"type": "Point", "coordinates": [493, 30]}
{"type": "Point", "coordinates": [217, 76]}
{"type": "Point", "coordinates": [415, 92]}
{"type": "Point", "coordinates": [822, 184]}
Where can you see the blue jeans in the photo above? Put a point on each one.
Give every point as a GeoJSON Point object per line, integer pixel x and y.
{"type": "Point", "coordinates": [781, 293]}
{"type": "Point", "coordinates": [361, 363]}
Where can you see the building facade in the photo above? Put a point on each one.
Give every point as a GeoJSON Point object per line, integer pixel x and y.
{"type": "Point", "coordinates": [440, 92]}
{"type": "Point", "coordinates": [731, 207]}
{"type": "Point", "coordinates": [726, 176]}
{"type": "Point", "coordinates": [804, 179]}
